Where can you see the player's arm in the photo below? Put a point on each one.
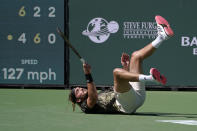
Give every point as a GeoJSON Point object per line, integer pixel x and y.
{"type": "Point", "coordinates": [92, 91]}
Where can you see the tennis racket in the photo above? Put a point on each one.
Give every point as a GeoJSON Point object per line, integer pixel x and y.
{"type": "Point", "coordinates": [69, 44]}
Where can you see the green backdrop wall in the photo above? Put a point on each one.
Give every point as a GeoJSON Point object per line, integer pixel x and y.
{"type": "Point", "coordinates": [88, 24]}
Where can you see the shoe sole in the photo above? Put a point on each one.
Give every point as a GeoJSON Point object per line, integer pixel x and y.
{"type": "Point", "coordinates": [157, 76]}
{"type": "Point", "coordinates": [164, 23]}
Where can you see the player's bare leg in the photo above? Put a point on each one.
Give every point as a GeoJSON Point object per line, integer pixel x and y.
{"type": "Point", "coordinates": [122, 76]}
{"type": "Point", "coordinates": [135, 71]}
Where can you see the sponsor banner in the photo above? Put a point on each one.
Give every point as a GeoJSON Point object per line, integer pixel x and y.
{"type": "Point", "coordinates": [139, 30]}
{"type": "Point", "coordinates": [98, 30]}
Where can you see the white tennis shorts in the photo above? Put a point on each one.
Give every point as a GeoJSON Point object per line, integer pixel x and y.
{"type": "Point", "coordinates": [130, 101]}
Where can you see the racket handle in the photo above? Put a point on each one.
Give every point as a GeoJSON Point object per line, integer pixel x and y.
{"type": "Point", "coordinates": [82, 60]}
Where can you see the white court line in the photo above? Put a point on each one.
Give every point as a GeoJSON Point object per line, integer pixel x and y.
{"type": "Point", "coordinates": [183, 122]}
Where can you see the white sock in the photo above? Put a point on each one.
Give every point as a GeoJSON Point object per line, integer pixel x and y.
{"type": "Point", "coordinates": [157, 42]}
{"type": "Point", "coordinates": [143, 78]}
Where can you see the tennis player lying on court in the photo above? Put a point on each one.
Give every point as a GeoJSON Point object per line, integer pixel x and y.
{"type": "Point", "coordinates": [128, 93]}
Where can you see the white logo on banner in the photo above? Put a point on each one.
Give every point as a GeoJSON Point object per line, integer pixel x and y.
{"type": "Point", "coordinates": [184, 122]}
{"type": "Point", "coordinates": [98, 29]}
{"type": "Point", "coordinates": [140, 30]}
{"type": "Point", "coordinates": [189, 42]}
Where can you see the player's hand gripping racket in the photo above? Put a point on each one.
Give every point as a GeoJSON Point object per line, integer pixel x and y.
{"type": "Point", "coordinates": [69, 45]}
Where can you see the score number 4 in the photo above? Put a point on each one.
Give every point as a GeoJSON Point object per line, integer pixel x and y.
{"type": "Point", "coordinates": [37, 11]}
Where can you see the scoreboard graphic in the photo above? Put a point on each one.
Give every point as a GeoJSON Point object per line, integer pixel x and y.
{"type": "Point", "coordinates": [31, 52]}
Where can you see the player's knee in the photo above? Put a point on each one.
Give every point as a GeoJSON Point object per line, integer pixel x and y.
{"type": "Point", "coordinates": [136, 56]}
{"type": "Point", "coordinates": [117, 72]}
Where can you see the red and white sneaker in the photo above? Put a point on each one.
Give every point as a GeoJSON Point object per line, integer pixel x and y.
{"type": "Point", "coordinates": [157, 76]}
{"type": "Point", "coordinates": [163, 27]}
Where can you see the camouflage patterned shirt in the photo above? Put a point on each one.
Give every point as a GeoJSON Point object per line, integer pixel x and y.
{"type": "Point", "coordinates": [106, 103]}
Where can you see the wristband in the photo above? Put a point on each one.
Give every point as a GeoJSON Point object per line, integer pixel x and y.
{"type": "Point", "coordinates": [88, 78]}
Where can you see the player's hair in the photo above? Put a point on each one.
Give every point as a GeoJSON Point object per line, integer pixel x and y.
{"type": "Point", "coordinates": [72, 98]}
